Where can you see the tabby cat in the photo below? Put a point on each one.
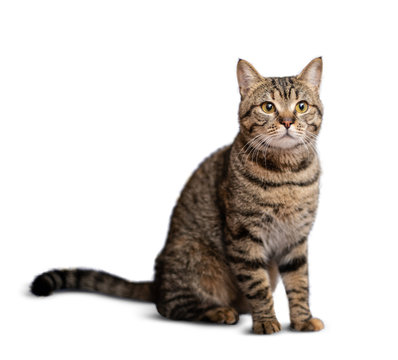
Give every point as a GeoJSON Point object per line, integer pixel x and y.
{"type": "Point", "coordinates": [242, 219]}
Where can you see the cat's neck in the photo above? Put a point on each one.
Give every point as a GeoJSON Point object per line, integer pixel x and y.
{"type": "Point", "coordinates": [274, 159]}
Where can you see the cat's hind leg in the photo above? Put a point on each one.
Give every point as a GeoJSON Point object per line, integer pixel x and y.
{"type": "Point", "coordinates": [221, 315]}
{"type": "Point", "coordinates": [194, 283]}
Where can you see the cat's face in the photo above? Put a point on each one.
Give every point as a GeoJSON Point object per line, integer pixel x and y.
{"type": "Point", "coordinates": [280, 112]}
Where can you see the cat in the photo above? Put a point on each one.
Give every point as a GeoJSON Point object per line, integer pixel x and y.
{"type": "Point", "coordinates": [241, 221]}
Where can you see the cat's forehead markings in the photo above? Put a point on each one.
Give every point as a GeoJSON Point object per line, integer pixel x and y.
{"type": "Point", "coordinates": [282, 87]}
{"type": "Point", "coordinates": [262, 93]}
{"type": "Point", "coordinates": [297, 94]}
{"type": "Point", "coordinates": [275, 87]}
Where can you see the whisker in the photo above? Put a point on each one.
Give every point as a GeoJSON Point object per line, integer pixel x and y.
{"type": "Point", "coordinates": [311, 143]}
{"type": "Point", "coordinates": [255, 145]}
{"type": "Point", "coordinates": [267, 145]}
{"type": "Point", "coordinates": [247, 145]}
{"type": "Point", "coordinates": [306, 147]}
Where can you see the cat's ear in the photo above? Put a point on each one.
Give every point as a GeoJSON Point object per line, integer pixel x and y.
{"type": "Point", "coordinates": [247, 76]}
{"type": "Point", "coordinates": [312, 73]}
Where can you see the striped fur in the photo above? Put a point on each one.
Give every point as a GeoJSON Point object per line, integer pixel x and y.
{"type": "Point", "coordinates": [91, 280]}
{"type": "Point", "coordinates": [242, 219]}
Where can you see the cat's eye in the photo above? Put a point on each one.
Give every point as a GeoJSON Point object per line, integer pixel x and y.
{"type": "Point", "coordinates": [268, 107]}
{"type": "Point", "coordinates": [302, 107]}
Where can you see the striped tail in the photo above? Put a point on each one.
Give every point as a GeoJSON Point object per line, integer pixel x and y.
{"type": "Point", "coordinates": [91, 280]}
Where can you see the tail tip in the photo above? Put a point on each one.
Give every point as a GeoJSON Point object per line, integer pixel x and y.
{"type": "Point", "coordinates": [41, 286]}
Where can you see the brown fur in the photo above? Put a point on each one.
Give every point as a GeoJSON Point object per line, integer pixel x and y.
{"type": "Point", "coordinates": [242, 219]}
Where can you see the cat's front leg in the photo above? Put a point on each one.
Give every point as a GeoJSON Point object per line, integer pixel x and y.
{"type": "Point", "coordinates": [293, 268]}
{"type": "Point", "coordinates": [247, 261]}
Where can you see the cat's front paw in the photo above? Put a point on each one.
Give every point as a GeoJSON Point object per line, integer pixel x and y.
{"type": "Point", "coordinates": [313, 324]}
{"type": "Point", "coordinates": [266, 326]}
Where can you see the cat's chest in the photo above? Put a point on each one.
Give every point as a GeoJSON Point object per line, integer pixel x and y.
{"type": "Point", "coordinates": [288, 203]}
{"type": "Point", "coordinates": [279, 235]}
{"type": "Point", "coordinates": [288, 215]}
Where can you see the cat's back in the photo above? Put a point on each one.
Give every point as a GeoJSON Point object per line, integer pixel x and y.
{"type": "Point", "coordinates": [199, 209]}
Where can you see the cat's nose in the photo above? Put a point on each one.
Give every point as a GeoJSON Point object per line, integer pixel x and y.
{"type": "Point", "coordinates": [286, 122]}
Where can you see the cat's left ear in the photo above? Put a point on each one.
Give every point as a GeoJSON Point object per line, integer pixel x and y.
{"type": "Point", "coordinates": [312, 73]}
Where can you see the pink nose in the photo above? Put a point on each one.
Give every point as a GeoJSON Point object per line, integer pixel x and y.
{"type": "Point", "coordinates": [287, 122]}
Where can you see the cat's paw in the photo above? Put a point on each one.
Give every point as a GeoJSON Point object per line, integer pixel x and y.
{"type": "Point", "coordinates": [266, 326]}
{"type": "Point", "coordinates": [222, 315]}
{"type": "Point", "coordinates": [313, 324]}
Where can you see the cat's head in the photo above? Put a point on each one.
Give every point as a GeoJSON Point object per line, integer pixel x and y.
{"type": "Point", "coordinates": [280, 112]}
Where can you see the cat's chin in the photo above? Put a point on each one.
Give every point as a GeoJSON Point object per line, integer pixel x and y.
{"type": "Point", "coordinates": [285, 142]}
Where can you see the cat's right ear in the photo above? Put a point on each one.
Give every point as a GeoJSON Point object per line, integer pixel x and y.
{"type": "Point", "coordinates": [247, 76]}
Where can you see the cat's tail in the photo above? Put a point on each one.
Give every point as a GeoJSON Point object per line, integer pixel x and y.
{"type": "Point", "coordinates": [91, 280]}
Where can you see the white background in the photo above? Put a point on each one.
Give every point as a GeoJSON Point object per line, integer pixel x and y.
{"type": "Point", "coordinates": [106, 107]}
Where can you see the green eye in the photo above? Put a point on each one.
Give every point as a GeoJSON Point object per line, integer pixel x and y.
{"type": "Point", "coordinates": [302, 107]}
{"type": "Point", "coordinates": [268, 107]}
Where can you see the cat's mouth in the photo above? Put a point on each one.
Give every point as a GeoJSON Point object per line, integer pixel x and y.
{"type": "Point", "coordinates": [288, 135]}
{"type": "Point", "coordinates": [285, 140]}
